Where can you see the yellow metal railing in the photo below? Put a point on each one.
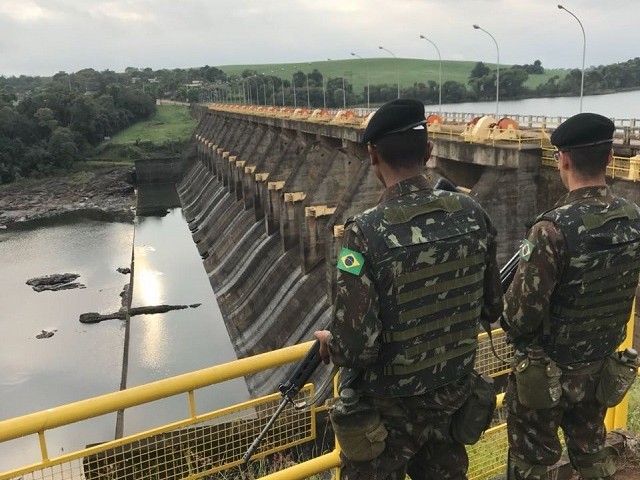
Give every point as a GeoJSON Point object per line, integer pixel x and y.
{"type": "Point", "coordinates": [621, 167]}
{"type": "Point", "coordinates": [201, 445]}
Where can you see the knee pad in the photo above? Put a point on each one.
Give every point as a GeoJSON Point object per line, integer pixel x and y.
{"type": "Point", "coordinates": [599, 465]}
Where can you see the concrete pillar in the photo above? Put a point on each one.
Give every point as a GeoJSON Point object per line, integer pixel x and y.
{"type": "Point", "coordinates": [238, 173]}
{"type": "Point", "coordinates": [314, 232]}
{"type": "Point", "coordinates": [224, 169]}
{"type": "Point", "coordinates": [290, 219]}
{"type": "Point", "coordinates": [260, 197]}
{"type": "Point", "coordinates": [272, 204]}
{"type": "Point", "coordinates": [230, 166]}
{"type": "Point", "coordinates": [248, 186]}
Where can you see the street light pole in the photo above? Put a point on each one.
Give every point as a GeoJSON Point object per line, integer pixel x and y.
{"type": "Point", "coordinates": [282, 83]}
{"type": "Point", "coordinates": [358, 56]}
{"type": "Point", "coordinates": [273, 88]}
{"type": "Point", "coordinates": [397, 67]}
{"type": "Point", "coordinates": [324, 89]}
{"type": "Point", "coordinates": [308, 98]}
{"type": "Point", "coordinates": [584, 50]}
{"type": "Point", "coordinates": [295, 102]}
{"type": "Point", "coordinates": [478, 27]}
{"type": "Point", "coordinates": [439, 73]}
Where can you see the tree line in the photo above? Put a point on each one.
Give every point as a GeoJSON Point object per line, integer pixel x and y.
{"type": "Point", "coordinates": [51, 122]}
{"type": "Point", "coordinates": [50, 125]}
{"type": "Point", "coordinates": [311, 89]}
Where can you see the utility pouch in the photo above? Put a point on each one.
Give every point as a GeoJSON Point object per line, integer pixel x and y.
{"type": "Point", "coordinates": [616, 378]}
{"type": "Point", "coordinates": [474, 417]}
{"type": "Point", "coordinates": [538, 380]}
{"type": "Point", "coordinates": [359, 430]}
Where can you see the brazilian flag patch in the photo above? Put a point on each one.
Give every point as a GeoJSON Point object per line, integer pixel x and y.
{"type": "Point", "coordinates": [526, 249]}
{"type": "Point", "coordinates": [350, 261]}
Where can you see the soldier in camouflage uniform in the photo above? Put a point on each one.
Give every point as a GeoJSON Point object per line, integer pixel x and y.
{"type": "Point", "coordinates": [572, 295]}
{"type": "Point", "coordinates": [415, 275]}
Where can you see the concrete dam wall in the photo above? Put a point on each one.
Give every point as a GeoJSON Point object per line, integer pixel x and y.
{"type": "Point", "coordinates": [266, 197]}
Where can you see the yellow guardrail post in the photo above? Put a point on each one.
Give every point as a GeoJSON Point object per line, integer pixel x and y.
{"type": "Point", "coordinates": [616, 417]}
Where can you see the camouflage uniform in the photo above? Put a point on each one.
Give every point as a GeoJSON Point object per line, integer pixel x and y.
{"type": "Point", "coordinates": [572, 293]}
{"type": "Point", "coordinates": [405, 328]}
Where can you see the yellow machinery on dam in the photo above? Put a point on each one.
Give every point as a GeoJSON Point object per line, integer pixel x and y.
{"type": "Point", "coordinates": [237, 182]}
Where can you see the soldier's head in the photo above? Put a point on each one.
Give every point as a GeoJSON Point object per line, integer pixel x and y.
{"type": "Point", "coordinates": [585, 140]}
{"type": "Point", "coordinates": [397, 135]}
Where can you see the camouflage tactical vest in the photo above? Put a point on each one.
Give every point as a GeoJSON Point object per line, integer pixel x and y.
{"type": "Point", "coordinates": [592, 302]}
{"type": "Point", "coordinates": [428, 260]}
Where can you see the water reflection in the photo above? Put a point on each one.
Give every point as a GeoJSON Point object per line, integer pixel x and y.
{"type": "Point", "coordinates": [169, 270]}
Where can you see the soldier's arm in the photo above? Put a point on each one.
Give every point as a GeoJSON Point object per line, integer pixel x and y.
{"type": "Point", "coordinates": [527, 301]}
{"type": "Point", "coordinates": [355, 327]}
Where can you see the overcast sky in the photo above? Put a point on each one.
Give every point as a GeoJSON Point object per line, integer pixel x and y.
{"type": "Point", "coordinates": [39, 37]}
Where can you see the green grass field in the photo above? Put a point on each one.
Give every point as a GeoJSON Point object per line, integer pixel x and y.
{"type": "Point", "coordinates": [170, 123]}
{"type": "Point", "coordinates": [382, 70]}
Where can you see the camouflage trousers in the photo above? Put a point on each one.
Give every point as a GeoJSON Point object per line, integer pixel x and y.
{"type": "Point", "coordinates": [533, 434]}
{"type": "Point", "coordinates": [418, 441]}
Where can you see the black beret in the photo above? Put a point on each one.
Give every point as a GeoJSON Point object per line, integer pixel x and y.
{"type": "Point", "coordinates": [583, 130]}
{"type": "Point", "coordinates": [394, 117]}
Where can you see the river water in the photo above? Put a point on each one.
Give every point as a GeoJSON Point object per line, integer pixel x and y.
{"type": "Point", "coordinates": [81, 361]}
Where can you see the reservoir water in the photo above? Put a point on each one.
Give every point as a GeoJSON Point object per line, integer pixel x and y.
{"type": "Point", "coordinates": [616, 105]}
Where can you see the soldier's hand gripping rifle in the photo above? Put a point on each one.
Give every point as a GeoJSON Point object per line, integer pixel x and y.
{"type": "Point", "coordinates": [288, 390]}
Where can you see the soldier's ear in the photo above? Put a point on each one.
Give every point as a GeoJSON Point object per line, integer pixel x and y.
{"type": "Point", "coordinates": [373, 154]}
{"type": "Point", "coordinates": [429, 150]}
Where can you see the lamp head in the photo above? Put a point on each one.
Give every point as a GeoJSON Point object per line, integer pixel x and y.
{"type": "Point", "coordinates": [353, 54]}
{"type": "Point", "coordinates": [560, 7]}
{"type": "Point", "coordinates": [381, 48]}
{"type": "Point", "coordinates": [476, 26]}
{"type": "Point", "coordinates": [422, 36]}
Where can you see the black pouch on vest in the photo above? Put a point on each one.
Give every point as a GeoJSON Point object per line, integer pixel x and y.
{"type": "Point", "coordinates": [616, 378]}
{"type": "Point", "coordinates": [474, 417]}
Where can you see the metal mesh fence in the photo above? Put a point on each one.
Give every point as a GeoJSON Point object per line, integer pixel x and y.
{"type": "Point", "coordinates": [194, 448]}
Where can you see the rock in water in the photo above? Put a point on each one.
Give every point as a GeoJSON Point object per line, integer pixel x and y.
{"type": "Point", "coordinates": [55, 282]}
{"type": "Point", "coordinates": [45, 334]}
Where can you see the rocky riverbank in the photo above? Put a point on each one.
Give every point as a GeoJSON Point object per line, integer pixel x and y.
{"type": "Point", "coordinates": [101, 193]}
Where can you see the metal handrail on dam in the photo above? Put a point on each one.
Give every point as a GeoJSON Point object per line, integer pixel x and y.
{"type": "Point", "coordinates": [201, 445]}
{"type": "Point", "coordinates": [527, 130]}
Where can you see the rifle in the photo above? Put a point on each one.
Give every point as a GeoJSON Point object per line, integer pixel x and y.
{"type": "Point", "coordinates": [288, 390]}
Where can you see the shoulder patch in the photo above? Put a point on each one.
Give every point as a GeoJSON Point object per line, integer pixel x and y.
{"type": "Point", "coordinates": [350, 261]}
{"type": "Point", "coordinates": [526, 249]}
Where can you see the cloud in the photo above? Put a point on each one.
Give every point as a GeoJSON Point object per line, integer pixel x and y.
{"type": "Point", "coordinates": [128, 12]}
{"type": "Point", "coordinates": [25, 11]}
{"type": "Point", "coordinates": [42, 37]}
